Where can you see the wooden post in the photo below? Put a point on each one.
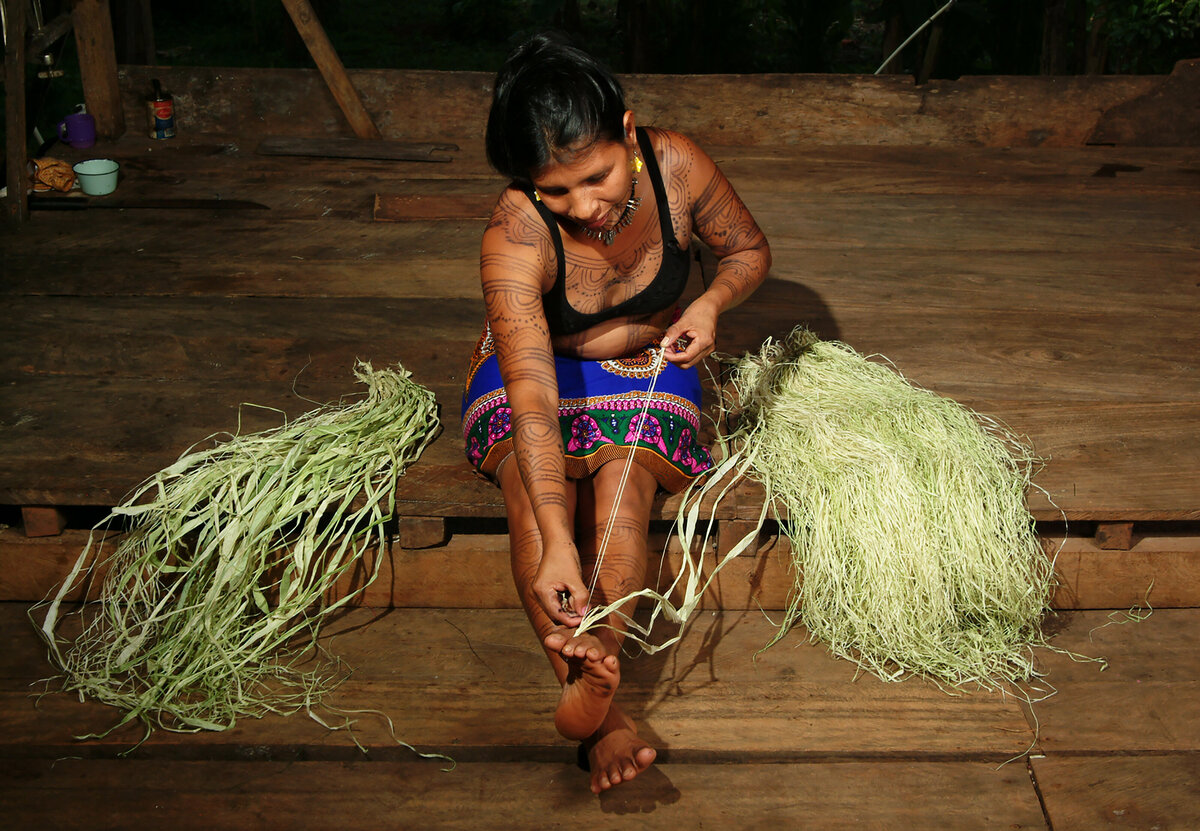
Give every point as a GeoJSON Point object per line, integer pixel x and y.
{"type": "Point", "coordinates": [98, 66]}
{"type": "Point", "coordinates": [1114, 536]}
{"type": "Point", "coordinates": [42, 521]}
{"type": "Point", "coordinates": [16, 205]}
{"type": "Point", "coordinates": [331, 68]}
{"type": "Point", "coordinates": [422, 532]}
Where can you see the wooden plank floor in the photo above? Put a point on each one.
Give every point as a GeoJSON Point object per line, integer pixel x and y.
{"type": "Point", "coordinates": [791, 737]}
{"type": "Point", "coordinates": [1056, 289]}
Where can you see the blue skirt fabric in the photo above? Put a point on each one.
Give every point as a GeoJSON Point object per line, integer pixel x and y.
{"type": "Point", "coordinates": [600, 412]}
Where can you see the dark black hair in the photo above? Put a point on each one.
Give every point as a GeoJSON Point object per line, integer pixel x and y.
{"type": "Point", "coordinates": [550, 99]}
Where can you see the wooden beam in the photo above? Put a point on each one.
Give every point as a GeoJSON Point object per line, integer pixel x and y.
{"type": "Point", "coordinates": [422, 532]}
{"type": "Point", "coordinates": [1114, 536]}
{"type": "Point", "coordinates": [98, 66]}
{"type": "Point", "coordinates": [16, 205]}
{"type": "Point", "coordinates": [331, 68]}
{"type": "Point", "coordinates": [427, 207]}
{"type": "Point", "coordinates": [357, 148]}
{"type": "Point", "coordinates": [42, 521]}
{"type": "Point", "coordinates": [48, 35]}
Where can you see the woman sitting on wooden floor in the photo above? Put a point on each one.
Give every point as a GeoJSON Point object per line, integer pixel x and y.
{"type": "Point", "coordinates": [582, 266]}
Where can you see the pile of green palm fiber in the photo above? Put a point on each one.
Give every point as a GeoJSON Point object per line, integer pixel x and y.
{"type": "Point", "coordinates": [212, 600]}
{"type": "Point", "coordinates": [911, 543]}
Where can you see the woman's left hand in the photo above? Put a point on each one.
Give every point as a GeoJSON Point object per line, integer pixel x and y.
{"type": "Point", "coordinates": [691, 338]}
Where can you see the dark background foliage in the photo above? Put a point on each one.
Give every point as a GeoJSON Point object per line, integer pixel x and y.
{"type": "Point", "coordinates": [1000, 37]}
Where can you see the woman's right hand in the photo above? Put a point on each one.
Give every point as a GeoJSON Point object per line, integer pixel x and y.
{"type": "Point", "coordinates": [557, 576]}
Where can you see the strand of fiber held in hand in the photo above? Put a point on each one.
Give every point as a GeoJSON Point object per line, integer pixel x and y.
{"type": "Point", "coordinates": [655, 370]}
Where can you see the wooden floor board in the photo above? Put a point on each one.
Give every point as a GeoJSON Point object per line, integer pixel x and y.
{"type": "Point", "coordinates": [1054, 288]}
{"type": "Point", "coordinates": [1120, 792]}
{"type": "Point", "coordinates": [476, 682]}
{"type": "Point", "coordinates": [1098, 412]}
{"type": "Point", "coordinates": [1111, 281]}
{"type": "Point", "coordinates": [1147, 699]}
{"type": "Point", "coordinates": [960, 223]}
{"type": "Point", "coordinates": [933, 170]}
{"type": "Point", "coordinates": [249, 795]}
{"type": "Point", "coordinates": [1074, 355]}
{"type": "Point", "coordinates": [1019, 282]}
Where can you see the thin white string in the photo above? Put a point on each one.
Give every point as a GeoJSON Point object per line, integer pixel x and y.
{"type": "Point", "coordinates": [612, 516]}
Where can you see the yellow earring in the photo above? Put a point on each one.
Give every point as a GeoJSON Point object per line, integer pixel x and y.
{"type": "Point", "coordinates": [537, 195]}
{"type": "Point", "coordinates": [636, 164]}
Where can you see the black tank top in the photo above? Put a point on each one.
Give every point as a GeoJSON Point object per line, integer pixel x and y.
{"type": "Point", "coordinates": [664, 290]}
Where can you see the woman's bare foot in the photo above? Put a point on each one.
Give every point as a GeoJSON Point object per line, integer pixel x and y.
{"type": "Point", "coordinates": [617, 753]}
{"type": "Point", "coordinates": [591, 682]}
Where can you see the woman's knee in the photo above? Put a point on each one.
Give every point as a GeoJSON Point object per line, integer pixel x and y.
{"type": "Point", "coordinates": [636, 498]}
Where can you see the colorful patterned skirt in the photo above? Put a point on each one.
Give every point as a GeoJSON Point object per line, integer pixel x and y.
{"type": "Point", "coordinates": [600, 411]}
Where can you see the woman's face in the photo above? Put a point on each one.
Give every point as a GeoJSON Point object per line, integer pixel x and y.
{"type": "Point", "coordinates": [592, 187]}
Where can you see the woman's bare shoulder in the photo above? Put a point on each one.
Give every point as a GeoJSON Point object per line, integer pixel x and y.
{"type": "Point", "coordinates": [516, 240]}
{"type": "Point", "coordinates": [515, 222]}
{"type": "Point", "coordinates": [676, 152]}
{"type": "Point", "coordinates": [686, 168]}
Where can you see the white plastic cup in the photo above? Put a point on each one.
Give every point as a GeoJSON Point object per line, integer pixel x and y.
{"type": "Point", "coordinates": [97, 177]}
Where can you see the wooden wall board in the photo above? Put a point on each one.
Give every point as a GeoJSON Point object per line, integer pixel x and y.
{"type": "Point", "coordinates": [251, 795]}
{"type": "Point", "coordinates": [475, 683]}
{"type": "Point", "coordinates": [31, 568]}
{"type": "Point", "coordinates": [1167, 115]}
{"type": "Point", "coordinates": [1119, 792]}
{"type": "Point", "coordinates": [1147, 700]}
{"type": "Point", "coordinates": [744, 109]}
{"type": "Point", "coordinates": [1161, 572]}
